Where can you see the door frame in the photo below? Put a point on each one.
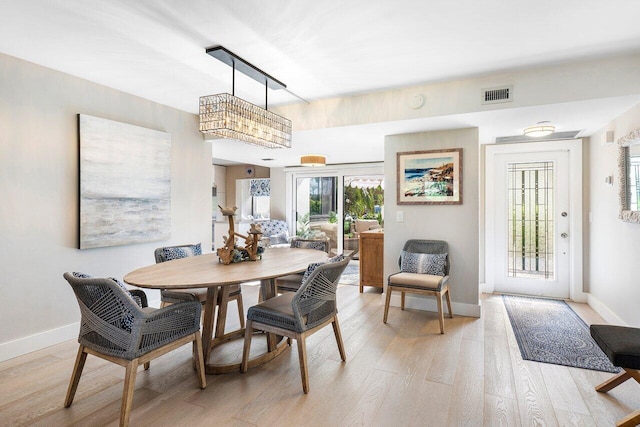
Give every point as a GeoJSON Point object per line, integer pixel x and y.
{"type": "Point", "coordinates": [339, 171]}
{"type": "Point", "coordinates": [574, 146]}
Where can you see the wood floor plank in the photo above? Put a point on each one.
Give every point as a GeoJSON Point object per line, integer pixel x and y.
{"type": "Point", "coordinates": [500, 411]}
{"type": "Point", "coordinates": [562, 389]}
{"type": "Point", "coordinates": [467, 398]}
{"type": "Point", "coordinates": [566, 418]}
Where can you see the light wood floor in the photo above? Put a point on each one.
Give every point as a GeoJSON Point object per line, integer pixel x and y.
{"type": "Point", "coordinates": [402, 373]}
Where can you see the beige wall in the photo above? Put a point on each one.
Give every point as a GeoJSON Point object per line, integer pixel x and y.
{"type": "Point", "coordinates": [39, 196]}
{"type": "Point", "coordinates": [457, 224]}
{"type": "Point", "coordinates": [613, 245]}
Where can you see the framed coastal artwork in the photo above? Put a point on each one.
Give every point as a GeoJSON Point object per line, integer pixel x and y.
{"type": "Point", "coordinates": [431, 177]}
{"type": "Point", "coordinates": [125, 183]}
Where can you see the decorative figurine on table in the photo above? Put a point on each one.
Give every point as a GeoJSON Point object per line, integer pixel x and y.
{"type": "Point", "coordinates": [230, 251]}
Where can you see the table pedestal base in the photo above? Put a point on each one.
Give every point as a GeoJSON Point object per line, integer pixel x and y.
{"type": "Point", "coordinates": [210, 339]}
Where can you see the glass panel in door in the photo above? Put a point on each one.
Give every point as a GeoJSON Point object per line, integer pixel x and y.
{"type": "Point", "coordinates": [317, 207]}
{"type": "Point", "coordinates": [363, 208]}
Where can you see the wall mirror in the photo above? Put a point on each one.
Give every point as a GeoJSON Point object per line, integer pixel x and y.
{"type": "Point", "coordinates": [629, 173]}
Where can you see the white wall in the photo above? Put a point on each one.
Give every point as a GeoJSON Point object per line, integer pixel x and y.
{"type": "Point", "coordinates": [614, 245]}
{"type": "Point", "coordinates": [457, 224]}
{"type": "Point", "coordinates": [39, 197]}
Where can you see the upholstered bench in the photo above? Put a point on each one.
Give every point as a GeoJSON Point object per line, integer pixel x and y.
{"type": "Point", "coordinates": [622, 346]}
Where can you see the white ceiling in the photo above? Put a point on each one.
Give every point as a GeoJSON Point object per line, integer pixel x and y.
{"type": "Point", "coordinates": [155, 49]}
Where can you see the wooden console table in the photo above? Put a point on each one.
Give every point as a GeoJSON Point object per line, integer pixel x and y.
{"type": "Point", "coordinates": [372, 258]}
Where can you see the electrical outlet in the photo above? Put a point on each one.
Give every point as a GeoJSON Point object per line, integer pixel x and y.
{"type": "Point", "coordinates": [399, 216]}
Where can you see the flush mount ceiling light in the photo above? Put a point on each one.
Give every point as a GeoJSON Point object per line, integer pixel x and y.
{"type": "Point", "coordinates": [228, 116]}
{"type": "Point", "coordinates": [540, 129]}
{"type": "Point", "coordinates": [313, 160]}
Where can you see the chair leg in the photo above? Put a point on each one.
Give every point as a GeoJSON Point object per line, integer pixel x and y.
{"type": "Point", "coordinates": [127, 394]}
{"type": "Point", "coordinates": [631, 420]}
{"type": "Point", "coordinates": [448, 294]}
{"type": "Point", "coordinates": [613, 382]}
{"type": "Point", "coordinates": [440, 312]}
{"type": "Point", "coordinates": [386, 304]}
{"type": "Point", "coordinates": [75, 376]}
{"type": "Point", "coordinates": [302, 355]}
{"type": "Point", "coordinates": [338, 334]}
{"type": "Point", "coordinates": [240, 310]}
{"type": "Point", "coordinates": [402, 300]}
{"type": "Point", "coordinates": [248, 332]}
{"type": "Point", "coordinates": [200, 360]}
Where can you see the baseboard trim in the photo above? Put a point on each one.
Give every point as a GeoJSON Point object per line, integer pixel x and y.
{"type": "Point", "coordinates": [24, 345]}
{"type": "Point", "coordinates": [605, 312]}
{"type": "Point", "coordinates": [21, 346]}
{"type": "Point", "coordinates": [425, 303]}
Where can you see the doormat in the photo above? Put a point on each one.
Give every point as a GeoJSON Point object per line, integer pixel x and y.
{"type": "Point", "coordinates": [549, 331]}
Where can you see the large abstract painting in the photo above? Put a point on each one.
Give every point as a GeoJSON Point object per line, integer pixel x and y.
{"type": "Point", "coordinates": [125, 183]}
{"type": "Point", "coordinates": [432, 177]}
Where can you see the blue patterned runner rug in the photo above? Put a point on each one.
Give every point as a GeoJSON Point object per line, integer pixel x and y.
{"type": "Point", "coordinates": [549, 331]}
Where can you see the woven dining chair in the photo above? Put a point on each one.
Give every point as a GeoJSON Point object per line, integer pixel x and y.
{"type": "Point", "coordinates": [173, 296]}
{"type": "Point", "coordinates": [424, 266]}
{"type": "Point", "coordinates": [300, 314]}
{"type": "Point", "coordinates": [115, 328]}
{"type": "Point", "coordinates": [292, 282]}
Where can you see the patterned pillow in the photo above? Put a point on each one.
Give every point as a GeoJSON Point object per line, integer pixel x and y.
{"type": "Point", "coordinates": [181, 252]}
{"type": "Point", "coordinates": [280, 238]}
{"type": "Point", "coordinates": [127, 321]}
{"type": "Point", "coordinates": [313, 244]}
{"type": "Point", "coordinates": [315, 265]}
{"type": "Point", "coordinates": [434, 264]}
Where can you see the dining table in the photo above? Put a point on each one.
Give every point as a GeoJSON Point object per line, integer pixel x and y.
{"type": "Point", "coordinates": [206, 271]}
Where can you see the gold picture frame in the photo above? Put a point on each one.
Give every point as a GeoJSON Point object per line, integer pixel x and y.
{"type": "Point", "coordinates": [430, 177]}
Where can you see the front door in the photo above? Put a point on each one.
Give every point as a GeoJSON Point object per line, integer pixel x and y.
{"type": "Point", "coordinates": [531, 213]}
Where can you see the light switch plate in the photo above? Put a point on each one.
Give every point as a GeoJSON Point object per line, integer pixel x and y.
{"type": "Point", "coordinates": [399, 216]}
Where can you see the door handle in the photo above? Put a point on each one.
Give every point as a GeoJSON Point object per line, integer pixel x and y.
{"type": "Point", "coordinates": [564, 235]}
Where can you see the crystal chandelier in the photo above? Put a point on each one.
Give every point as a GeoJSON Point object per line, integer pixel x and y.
{"type": "Point", "coordinates": [228, 116]}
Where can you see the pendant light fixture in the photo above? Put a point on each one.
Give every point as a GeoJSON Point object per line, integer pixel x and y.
{"type": "Point", "coordinates": [228, 116]}
{"type": "Point", "coordinates": [313, 160]}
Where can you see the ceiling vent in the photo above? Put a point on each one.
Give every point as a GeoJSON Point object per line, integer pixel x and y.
{"type": "Point", "coordinates": [572, 134]}
{"type": "Point", "coordinates": [497, 95]}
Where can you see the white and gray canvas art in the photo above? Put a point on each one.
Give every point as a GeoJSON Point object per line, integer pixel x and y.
{"type": "Point", "coordinates": [125, 183]}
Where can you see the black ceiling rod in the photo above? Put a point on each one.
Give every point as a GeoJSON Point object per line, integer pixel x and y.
{"type": "Point", "coordinates": [233, 79]}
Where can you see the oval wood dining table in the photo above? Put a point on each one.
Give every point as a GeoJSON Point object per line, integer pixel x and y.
{"type": "Point", "coordinates": [205, 271]}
